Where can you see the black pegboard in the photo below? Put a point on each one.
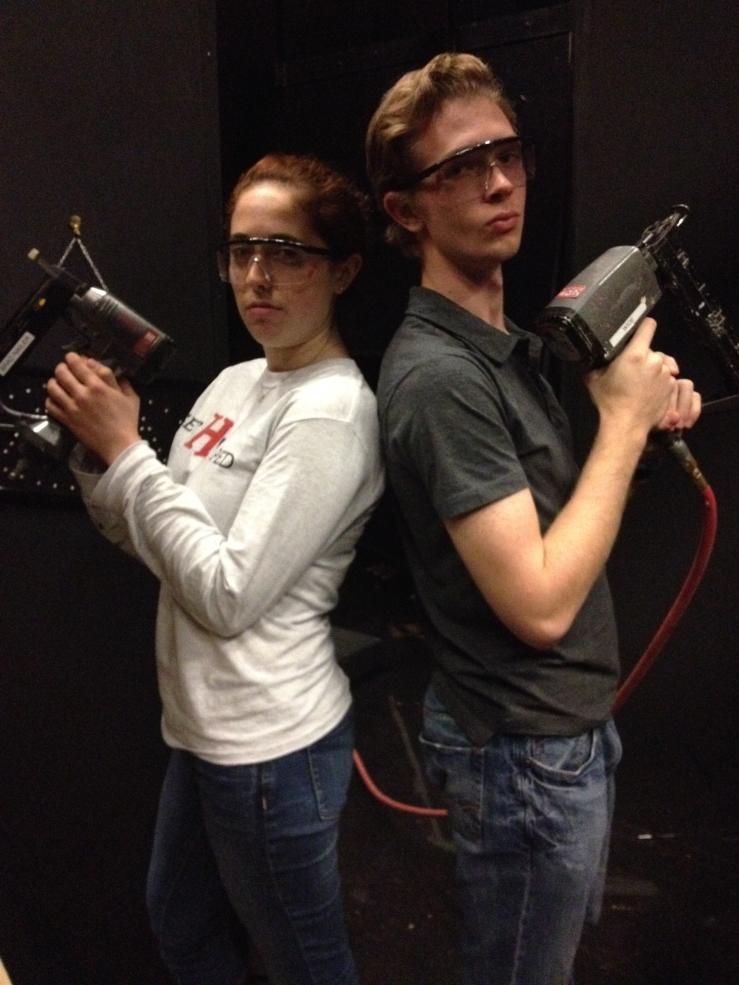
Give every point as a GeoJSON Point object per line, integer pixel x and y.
{"type": "Point", "coordinates": [28, 473]}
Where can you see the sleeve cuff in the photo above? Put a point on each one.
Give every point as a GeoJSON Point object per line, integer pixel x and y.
{"type": "Point", "coordinates": [111, 487]}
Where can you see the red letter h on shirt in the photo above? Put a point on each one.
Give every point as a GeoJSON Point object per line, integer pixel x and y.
{"type": "Point", "coordinates": [211, 435]}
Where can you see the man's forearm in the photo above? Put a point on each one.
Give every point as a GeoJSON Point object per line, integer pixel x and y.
{"type": "Point", "coordinates": [579, 541]}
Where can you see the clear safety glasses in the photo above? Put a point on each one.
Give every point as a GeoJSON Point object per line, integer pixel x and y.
{"type": "Point", "coordinates": [282, 261]}
{"type": "Point", "coordinates": [467, 173]}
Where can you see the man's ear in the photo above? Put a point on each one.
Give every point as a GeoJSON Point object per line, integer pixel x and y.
{"type": "Point", "coordinates": [399, 206]}
{"type": "Point", "coordinates": [345, 271]}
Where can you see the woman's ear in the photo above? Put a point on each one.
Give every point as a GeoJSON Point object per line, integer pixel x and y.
{"type": "Point", "coordinates": [399, 207]}
{"type": "Point", "coordinates": [345, 271]}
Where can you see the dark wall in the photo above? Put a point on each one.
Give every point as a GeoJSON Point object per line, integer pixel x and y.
{"type": "Point", "coordinates": [655, 125]}
{"type": "Point", "coordinates": [110, 111]}
{"type": "Point", "coordinates": [314, 80]}
{"type": "Point", "coordinates": [81, 758]}
{"type": "Point", "coordinates": [655, 120]}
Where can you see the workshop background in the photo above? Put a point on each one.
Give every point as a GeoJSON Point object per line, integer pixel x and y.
{"type": "Point", "coordinates": [138, 117]}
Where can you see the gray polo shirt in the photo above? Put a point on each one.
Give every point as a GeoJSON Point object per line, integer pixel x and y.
{"type": "Point", "coordinates": [467, 419]}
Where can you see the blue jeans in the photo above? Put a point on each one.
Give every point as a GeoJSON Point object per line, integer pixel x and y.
{"type": "Point", "coordinates": [530, 817]}
{"type": "Point", "coordinates": [253, 848]}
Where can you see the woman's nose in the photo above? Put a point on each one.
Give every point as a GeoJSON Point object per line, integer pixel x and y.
{"type": "Point", "coordinates": [256, 271]}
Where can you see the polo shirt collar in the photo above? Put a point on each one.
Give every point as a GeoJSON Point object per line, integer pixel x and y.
{"type": "Point", "coordinates": [457, 321]}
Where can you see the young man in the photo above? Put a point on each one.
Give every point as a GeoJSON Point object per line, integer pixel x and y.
{"type": "Point", "coordinates": [506, 541]}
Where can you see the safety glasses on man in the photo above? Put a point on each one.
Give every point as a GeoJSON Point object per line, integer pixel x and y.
{"type": "Point", "coordinates": [468, 171]}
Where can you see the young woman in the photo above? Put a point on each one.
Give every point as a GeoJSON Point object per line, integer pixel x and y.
{"type": "Point", "coordinates": [250, 528]}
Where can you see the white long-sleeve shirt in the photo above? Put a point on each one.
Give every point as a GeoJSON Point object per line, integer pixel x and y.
{"type": "Point", "coordinates": [250, 528]}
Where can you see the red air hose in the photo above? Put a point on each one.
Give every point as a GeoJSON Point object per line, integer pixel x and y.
{"type": "Point", "coordinates": [647, 659]}
{"type": "Point", "coordinates": [681, 603]}
{"type": "Point", "coordinates": [388, 801]}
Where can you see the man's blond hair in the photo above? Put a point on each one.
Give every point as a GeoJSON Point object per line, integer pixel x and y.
{"type": "Point", "coordinates": [405, 111]}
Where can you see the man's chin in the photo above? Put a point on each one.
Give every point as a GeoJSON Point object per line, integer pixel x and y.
{"type": "Point", "coordinates": [480, 270]}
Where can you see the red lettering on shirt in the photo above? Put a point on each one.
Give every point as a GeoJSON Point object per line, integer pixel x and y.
{"type": "Point", "coordinates": [211, 435]}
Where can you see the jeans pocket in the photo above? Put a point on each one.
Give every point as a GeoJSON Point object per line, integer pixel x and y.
{"type": "Point", "coordinates": [567, 794]}
{"type": "Point", "coordinates": [458, 771]}
{"type": "Point", "coordinates": [562, 760]}
{"type": "Point", "coordinates": [330, 765]}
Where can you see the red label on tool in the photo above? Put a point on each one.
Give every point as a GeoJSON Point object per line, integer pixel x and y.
{"type": "Point", "coordinates": [144, 343]}
{"type": "Point", "coordinates": [572, 291]}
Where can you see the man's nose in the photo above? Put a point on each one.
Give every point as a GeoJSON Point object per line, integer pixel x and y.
{"type": "Point", "coordinates": [495, 181]}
